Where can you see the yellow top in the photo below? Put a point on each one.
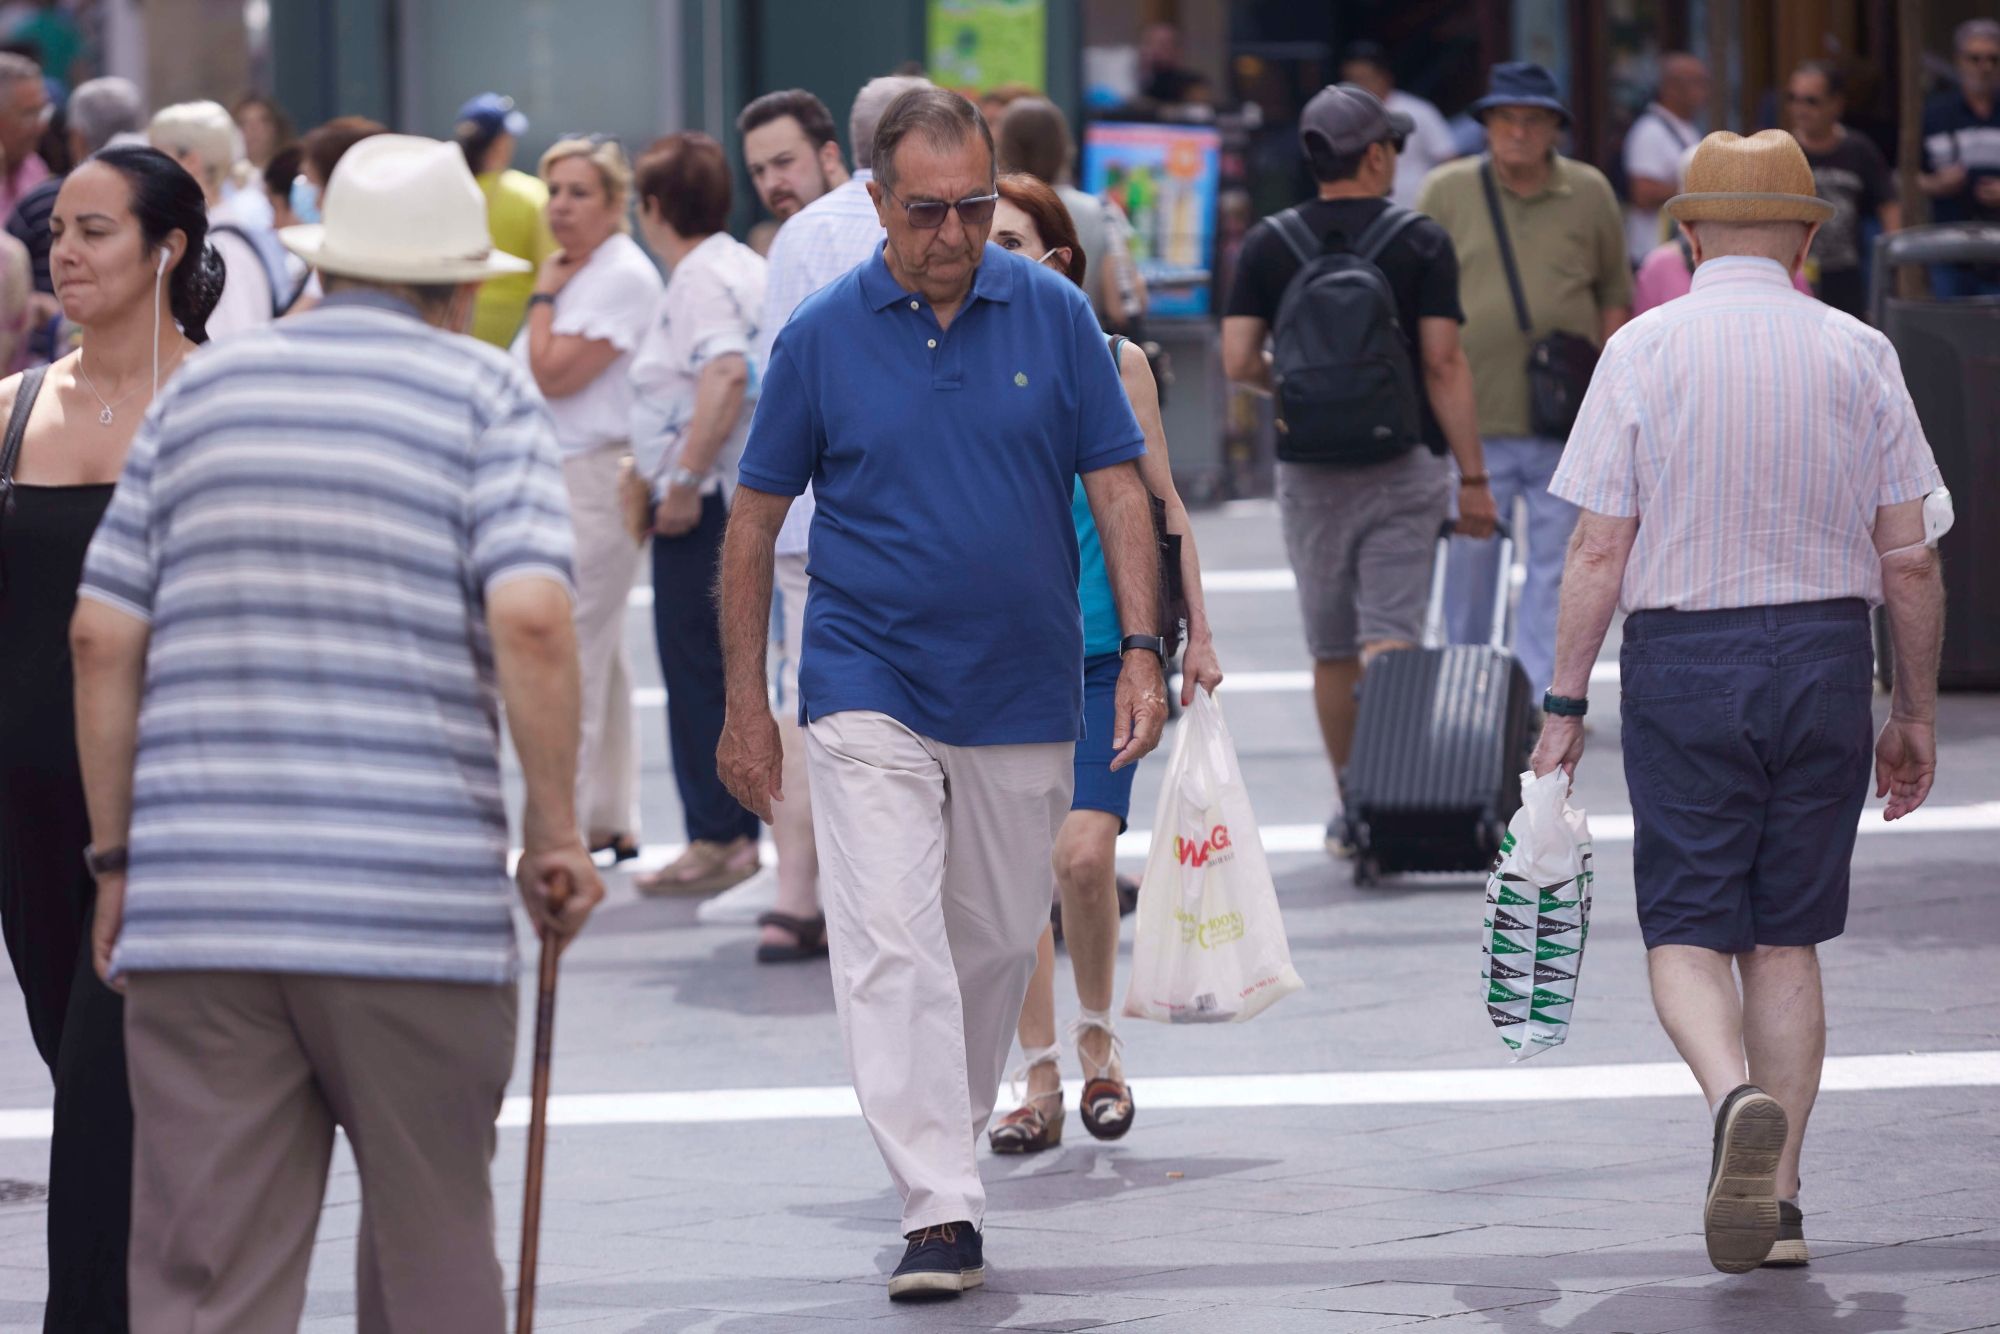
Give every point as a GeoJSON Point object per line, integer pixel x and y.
{"type": "Point", "coordinates": [516, 209]}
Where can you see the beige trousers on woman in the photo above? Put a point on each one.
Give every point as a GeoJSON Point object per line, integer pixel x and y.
{"type": "Point", "coordinates": [607, 765]}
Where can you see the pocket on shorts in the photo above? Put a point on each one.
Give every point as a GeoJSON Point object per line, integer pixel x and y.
{"type": "Point", "coordinates": [1689, 747]}
{"type": "Point", "coordinates": [1837, 759]}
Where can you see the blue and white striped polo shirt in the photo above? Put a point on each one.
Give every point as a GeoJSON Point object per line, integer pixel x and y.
{"type": "Point", "coordinates": [310, 520]}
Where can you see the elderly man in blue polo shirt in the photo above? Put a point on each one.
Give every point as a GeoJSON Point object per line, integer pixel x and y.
{"type": "Point", "coordinates": [940, 397]}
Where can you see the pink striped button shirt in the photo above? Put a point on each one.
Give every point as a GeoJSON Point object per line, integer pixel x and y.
{"type": "Point", "coordinates": [1754, 432]}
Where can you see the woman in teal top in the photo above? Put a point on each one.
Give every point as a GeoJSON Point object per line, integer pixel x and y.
{"type": "Point", "coordinates": [1032, 219]}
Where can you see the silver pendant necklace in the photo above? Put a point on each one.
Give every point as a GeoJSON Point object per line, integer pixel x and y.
{"type": "Point", "coordinates": [108, 415]}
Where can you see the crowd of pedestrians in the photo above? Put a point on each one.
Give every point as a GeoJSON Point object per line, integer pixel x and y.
{"type": "Point", "coordinates": [903, 486]}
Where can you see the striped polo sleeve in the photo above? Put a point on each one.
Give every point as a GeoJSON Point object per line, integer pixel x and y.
{"type": "Point", "coordinates": [520, 523]}
{"type": "Point", "coordinates": [1596, 472]}
{"type": "Point", "coordinates": [122, 566]}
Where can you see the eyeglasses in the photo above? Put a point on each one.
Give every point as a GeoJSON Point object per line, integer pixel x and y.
{"type": "Point", "coordinates": [1981, 58]}
{"type": "Point", "coordinates": [927, 215]}
{"type": "Point", "coordinates": [1804, 99]}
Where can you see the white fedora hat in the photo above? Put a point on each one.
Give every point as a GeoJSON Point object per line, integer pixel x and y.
{"type": "Point", "coordinates": [401, 208]}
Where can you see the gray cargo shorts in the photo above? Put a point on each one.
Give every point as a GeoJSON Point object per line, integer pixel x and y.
{"type": "Point", "coordinates": [1361, 543]}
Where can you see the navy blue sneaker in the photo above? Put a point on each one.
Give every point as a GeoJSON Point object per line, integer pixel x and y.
{"type": "Point", "coordinates": [941, 1262]}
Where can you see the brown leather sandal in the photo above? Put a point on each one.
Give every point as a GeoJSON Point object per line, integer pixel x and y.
{"type": "Point", "coordinates": [1106, 1104]}
{"type": "Point", "coordinates": [808, 935]}
{"type": "Point", "coordinates": [1029, 1128]}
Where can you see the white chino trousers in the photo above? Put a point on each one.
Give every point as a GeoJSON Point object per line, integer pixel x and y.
{"type": "Point", "coordinates": [606, 563]}
{"type": "Point", "coordinates": [934, 865]}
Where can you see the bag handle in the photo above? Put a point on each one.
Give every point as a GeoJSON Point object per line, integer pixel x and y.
{"type": "Point", "coordinates": [17, 423]}
{"type": "Point", "coordinates": [1506, 246]}
{"type": "Point", "coordinates": [1502, 585]}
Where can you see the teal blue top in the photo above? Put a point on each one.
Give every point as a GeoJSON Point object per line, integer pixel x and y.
{"type": "Point", "coordinates": [1101, 630]}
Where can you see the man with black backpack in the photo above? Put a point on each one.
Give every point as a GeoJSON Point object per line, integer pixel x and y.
{"type": "Point", "coordinates": [1359, 298]}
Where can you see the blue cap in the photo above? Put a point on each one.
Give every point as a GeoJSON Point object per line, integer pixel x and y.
{"type": "Point", "coordinates": [1520, 83]}
{"type": "Point", "coordinates": [494, 111]}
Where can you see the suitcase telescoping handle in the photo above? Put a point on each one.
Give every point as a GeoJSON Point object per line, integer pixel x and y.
{"type": "Point", "coordinates": [1434, 636]}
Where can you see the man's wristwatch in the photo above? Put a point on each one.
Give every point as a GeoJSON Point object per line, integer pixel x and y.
{"type": "Point", "coordinates": [542, 299]}
{"type": "Point", "coordinates": [1153, 644]}
{"type": "Point", "coordinates": [1562, 706]}
{"type": "Point", "coordinates": [1475, 478]}
{"type": "Point", "coordinates": [109, 861]}
{"type": "Point", "coordinates": [679, 475]}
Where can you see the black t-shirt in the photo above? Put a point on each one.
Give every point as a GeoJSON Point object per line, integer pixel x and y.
{"type": "Point", "coordinates": [1420, 264]}
{"type": "Point", "coordinates": [1853, 178]}
{"type": "Point", "coordinates": [1954, 132]}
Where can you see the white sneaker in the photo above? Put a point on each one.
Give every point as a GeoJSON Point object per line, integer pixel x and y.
{"type": "Point", "coordinates": [742, 904]}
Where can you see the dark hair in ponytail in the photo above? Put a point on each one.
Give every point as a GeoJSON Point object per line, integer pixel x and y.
{"type": "Point", "coordinates": [166, 199]}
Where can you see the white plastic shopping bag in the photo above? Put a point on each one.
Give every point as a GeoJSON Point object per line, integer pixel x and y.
{"type": "Point", "coordinates": [1210, 946]}
{"type": "Point", "coordinates": [1537, 917]}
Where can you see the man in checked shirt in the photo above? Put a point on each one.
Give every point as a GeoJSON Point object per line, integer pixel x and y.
{"type": "Point", "coordinates": [1753, 477]}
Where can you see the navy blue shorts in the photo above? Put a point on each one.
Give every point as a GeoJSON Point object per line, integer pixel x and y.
{"type": "Point", "coordinates": [1749, 744]}
{"type": "Point", "coordinates": [1097, 788]}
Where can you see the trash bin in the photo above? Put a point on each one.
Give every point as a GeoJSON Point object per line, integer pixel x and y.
{"type": "Point", "coordinates": [1950, 352]}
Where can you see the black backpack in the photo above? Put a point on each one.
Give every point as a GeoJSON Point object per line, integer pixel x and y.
{"type": "Point", "coordinates": [1340, 366]}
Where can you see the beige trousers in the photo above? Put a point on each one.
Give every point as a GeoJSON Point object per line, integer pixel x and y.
{"type": "Point", "coordinates": [934, 871]}
{"type": "Point", "coordinates": [238, 1080]}
{"type": "Point", "coordinates": [607, 766]}
{"type": "Point", "coordinates": [792, 818]}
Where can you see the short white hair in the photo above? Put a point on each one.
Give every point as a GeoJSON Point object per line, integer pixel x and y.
{"type": "Point", "coordinates": [1974, 30]}
{"type": "Point", "coordinates": [204, 129]}
{"type": "Point", "coordinates": [869, 104]}
{"type": "Point", "coordinates": [1762, 240]}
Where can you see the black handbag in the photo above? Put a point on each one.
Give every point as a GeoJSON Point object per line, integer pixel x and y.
{"type": "Point", "coordinates": [1560, 364]}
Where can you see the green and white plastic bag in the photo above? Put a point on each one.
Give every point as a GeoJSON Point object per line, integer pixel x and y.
{"type": "Point", "coordinates": [1209, 945]}
{"type": "Point", "coordinates": [1537, 916]}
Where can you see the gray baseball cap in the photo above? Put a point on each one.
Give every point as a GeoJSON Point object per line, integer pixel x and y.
{"type": "Point", "coordinates": [1344, 118]}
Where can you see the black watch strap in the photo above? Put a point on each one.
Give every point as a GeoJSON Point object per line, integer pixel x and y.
{"type": "Point", "coordinates": [109, 861]}
{"type": "Point", "coordinates": [1153, 644]}
{"type": "Point", "coordinates": [1563, 706]}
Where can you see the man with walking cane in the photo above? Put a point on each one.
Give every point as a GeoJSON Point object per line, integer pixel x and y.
{"type": "Point", "coordinates": [339, 544]}
{"type": "Point", "coordinates": [1752, 477]}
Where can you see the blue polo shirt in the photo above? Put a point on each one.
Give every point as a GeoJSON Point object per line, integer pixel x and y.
{"type": "Point", "coordinates": [943, 557]}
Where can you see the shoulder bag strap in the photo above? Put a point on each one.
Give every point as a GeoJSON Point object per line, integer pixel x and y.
{"type": "Point", "coordinates": [1118, 342]}
{"type": "Point", "coordinates": [1388, 225]}
{"type": "Point", "coordinates": [1297, 235]}
{"type": "Point", "coordinates": [1506, 246]}
{"type": "Point", "coordinates": [17, 423]}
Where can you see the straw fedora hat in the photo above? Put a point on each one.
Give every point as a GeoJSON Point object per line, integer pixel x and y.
{"type": "Point", "coordinates": [402, 209]}
{"type": "Point", "coordinates": [1764, 178]}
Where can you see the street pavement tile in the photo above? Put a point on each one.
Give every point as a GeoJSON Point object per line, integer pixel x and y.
{"type": "Point", "coordinates": [1333, 1231]}
{"type": "Point", "coordinates": [1575, 1313]}
{"type": "Point", "coordinates": [1399, 1297]}
{"type": "Point", "coordinates": [1239, 1318]}
{"type": "Point", "coordinates": [1300, 1197]}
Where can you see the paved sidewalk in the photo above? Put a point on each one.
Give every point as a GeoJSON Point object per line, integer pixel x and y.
{"type": "Point", "coordinates": [1576, 1214]}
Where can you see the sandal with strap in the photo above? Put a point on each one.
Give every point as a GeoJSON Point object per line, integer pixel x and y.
{"type": "Point", "coordinates": [1106, 1104]}
{"type": "Point", "coordinates": [1028, 1128]}
{"type": "Point", "coordinates": [808, 935]}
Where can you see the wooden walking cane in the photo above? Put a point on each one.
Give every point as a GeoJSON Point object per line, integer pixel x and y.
{"type": "Point", "coordinates": [538, 1121]}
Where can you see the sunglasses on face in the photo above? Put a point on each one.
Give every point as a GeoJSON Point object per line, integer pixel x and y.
{"type": "Point", "coordinates": [927, 215]}
{"type": "Point", "coordinates": [594, 140]}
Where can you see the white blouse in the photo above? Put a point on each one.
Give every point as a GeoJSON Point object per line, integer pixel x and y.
{"type": "Point", "coordinates": [611, 298]}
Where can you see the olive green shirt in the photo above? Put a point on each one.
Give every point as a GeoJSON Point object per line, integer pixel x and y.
{"type": "Point", "coordinates": [1569, 244]}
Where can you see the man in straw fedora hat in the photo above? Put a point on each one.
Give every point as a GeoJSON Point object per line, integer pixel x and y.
{"type": "Point", "coordinates": [339, 543]}
{"type": "Point", "coordinates": [1752, 477]}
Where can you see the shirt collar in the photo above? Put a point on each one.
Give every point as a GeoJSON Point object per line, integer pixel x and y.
{"type": "Point", "coordinates": [370, 298]}
{"type": "Point", "coordinates": [1741, 270]}
{"type": "Point", "coordinates": [993, 281]}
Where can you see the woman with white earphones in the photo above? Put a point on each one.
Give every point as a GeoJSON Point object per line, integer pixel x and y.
{"type": "Point", "coordinates": [133, 269]}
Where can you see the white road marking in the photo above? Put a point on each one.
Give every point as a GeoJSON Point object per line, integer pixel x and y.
{"type": "Point", "coordinates": [1605, 827]}
{"type": "Point", "coordinates": [1481, 1084]}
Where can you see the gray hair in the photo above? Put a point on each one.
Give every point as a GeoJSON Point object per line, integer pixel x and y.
{"type": "Point", "coordinates": [940, 117]}
{"type": "Point", "coordinates": [1778, 240]}
{"type": "Point", "coordinates": [869, 104]}
{"type": "Point", "coordinates": [105, 107]}
{"type": "Point", "coordinates": [16, 68]}
{"type": "Point", "coordinates": [205, 129]}
{"type": "Point", "coordinates": [1973, 30]}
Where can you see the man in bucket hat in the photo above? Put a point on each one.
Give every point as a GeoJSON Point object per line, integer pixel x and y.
{"type": "Point", "coordinates": [1567, 240]}
{"type": "Point", "coordinates": [1752, 477]}
{"type": "Point", "coordinates": [339, 543]}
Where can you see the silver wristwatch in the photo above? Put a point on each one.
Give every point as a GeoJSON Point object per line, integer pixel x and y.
{"type": "Point", "coordinates": [679, 475]}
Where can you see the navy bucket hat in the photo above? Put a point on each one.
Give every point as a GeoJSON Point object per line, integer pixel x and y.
{"type": "Point", "coordinates": [1520, 83]}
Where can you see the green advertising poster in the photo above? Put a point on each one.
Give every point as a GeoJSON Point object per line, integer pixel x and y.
{"type": "Point", "coordinates": [980, 44]}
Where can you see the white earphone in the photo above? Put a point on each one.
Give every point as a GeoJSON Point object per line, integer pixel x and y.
{"type": "Point", "coordinates": [165, 255]}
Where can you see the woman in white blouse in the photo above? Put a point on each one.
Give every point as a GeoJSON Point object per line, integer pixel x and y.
{"type": "Point", "coordinates": [694, 391]}
{"type": "Point", "coordinates": [592, 301]}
